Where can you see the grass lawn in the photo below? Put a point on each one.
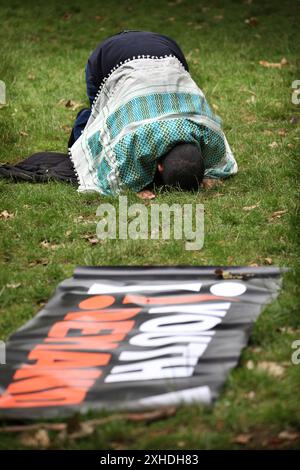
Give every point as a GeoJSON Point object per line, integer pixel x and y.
{"type": "Point", "coordinates": [44, 48]}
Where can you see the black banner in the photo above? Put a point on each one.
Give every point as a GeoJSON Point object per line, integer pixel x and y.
{"type": "Point", "coordinates": [133, 338]}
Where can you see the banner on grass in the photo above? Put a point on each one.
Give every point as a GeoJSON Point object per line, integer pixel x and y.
{"type": "Point", "coordinates": [133, 338]}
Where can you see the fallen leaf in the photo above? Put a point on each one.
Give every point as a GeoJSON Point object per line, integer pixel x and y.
{"type": "Point", "coordinates": [251, 100]}
{"type": "Point", "coordinates": [273, 65]}
{"type": "Point", "coordinates": [288, 330]}
{"type": "Point", "coordinates": [67, 16]}
{"type": "Point", "coordinates": [181, 444]}
{"type": "Point", "coordinates": [282, 132]}
{"type": "Point", "coordinates": [289, 435]}
{"type": "Point", "coordinates": [221, 274]}
{"type": "Point", "coordinates": [267, 132]}
{"type": "Point", "coordinates": [242, 439]}
{"type": "Point", "coordinates": [91, 239]}
{"type": "Point", "coordinates": [23, 134]}
{"type": "Point", "coordinates": [38, 439]}
{"type": "Point", "coordinates": [51, 246]}
{"type": "Point", "coordinates": [66, 128]}
{"type": "Point", "coordinates": [99, 18]}
{"type": "Point", "coordinates": [250, 208]}
{"type": "Point", "coordinates": [268, 261]}
{"type": "Point", "coordinates": [273, 145]}
{"type": "Point", "coordinates": [42, 261]}
{"type": "Point", "coordinates": [85, 429]}
{"type": "Point", "coordinates": [251, 395]}
{"type": "Point", "coordinates": [272, 368]}
{"type": "Point", "coordinates": [277, 215]}
{"type": "Point", "coordinates": [6, 215]}
{"type": "Point", "coordinates": [80, 218]}
{"type": "Point", "coordinates": [71, 104]}
{"type": "Point", "coordinates": [30, 76]}
{"type": "Point", "coordinates": [13, 285]}
{"type": "Point", "coordinates": [250, 365]}
{"type": "Point", "coordinates": [219, 17]}
{"type": "Point", "coordinates": [252, 21]}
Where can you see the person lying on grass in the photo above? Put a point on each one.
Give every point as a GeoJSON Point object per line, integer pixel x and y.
{"type": "Point", "coordinates": [149, 123]}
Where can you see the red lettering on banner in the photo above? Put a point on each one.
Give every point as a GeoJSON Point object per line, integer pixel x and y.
{"type": "Point", "coordinates": [65, 369]}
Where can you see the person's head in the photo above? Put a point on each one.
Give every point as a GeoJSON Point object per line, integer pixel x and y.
{"type": "Point", "coordinates": [182, 166]}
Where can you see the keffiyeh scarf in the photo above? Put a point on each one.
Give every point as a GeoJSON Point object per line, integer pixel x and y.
{"type": "Point", "coordinates": [142, 110]}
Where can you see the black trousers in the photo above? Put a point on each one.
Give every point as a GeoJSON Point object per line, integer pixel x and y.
{"type": "Point", "coordinates": [110, 53]}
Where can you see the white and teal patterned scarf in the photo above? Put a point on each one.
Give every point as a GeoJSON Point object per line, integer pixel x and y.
{"type": "Point", "coordinates": [143, 109]}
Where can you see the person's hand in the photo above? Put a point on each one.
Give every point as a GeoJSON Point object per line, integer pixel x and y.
{"type": "Point", "coordinates": [209, 183]}
{"type": "Point", "coordinates": [146, 194]}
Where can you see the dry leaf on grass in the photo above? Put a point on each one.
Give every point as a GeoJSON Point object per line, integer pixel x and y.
{"type": "Point", "coordinates": [31, 76]}
{"type": "Point", "coordinates": [250, 208]}
{"type": "Point", "coordinates": [66, 128]}
{"type": "Point", "coordinates": [267, 132]}
{"type": "Point", "coordinates": [39, 439]}
{"type": "Point", "coordinates": [23, 134]}
{"type": "Point", "coordinates": [272, 368]}
{"type": "Point", "coordinates": [67, 16]}
{"type": "Point", "coordinates": [273, 145]}
{"type": "Point", "coordinates": [42, 261]}
{"type": "Point", "coordinates": [252, 21]}
{"type": "Point", "coordinates": [289, 330]}
{"type": "Point", "coordinates": [13, 285]}
{"type": "Point", "coordinates": [242, 439]}
{"type": "Point", "coordinates": [274, 65]}
{"type": "Point", "coordinates": [48, 245]}
{"type": "Point", "coordinates": [268, 261]}
{"type": "Point", "coordinates": [91, 239]}
{"type": "Point", "coordinates": [221, 274]}
{"type": "Point", "coordinates": [71, 104]}
{"type": "Point", "coordinates": [289, 435]}
{"type": "Point", "coordinates": [250, 365]}
{"type": "Point", "coordinates": [251, 100]}
{"type": "Point", "coordinates": [6, 215]}
{"type": "Point", "coordinates": [277, 215]}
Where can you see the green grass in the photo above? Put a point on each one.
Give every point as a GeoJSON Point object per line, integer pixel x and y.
{"type": "Point", "coordinates": [224, 55]}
